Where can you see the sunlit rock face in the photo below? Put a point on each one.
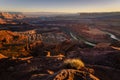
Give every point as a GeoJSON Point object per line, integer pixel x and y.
{"type": "Point", "coordinates": [2, 21]}
{"type": "Point", "coordinates": [72, 75]}
{"type": "Point", "coordinates": [6, 15]}
{"type": "Point", "coordinates": [8, 18]}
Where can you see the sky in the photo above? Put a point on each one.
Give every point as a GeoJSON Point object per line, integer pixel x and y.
{"type": "Point", "coordinates": [69, 6]}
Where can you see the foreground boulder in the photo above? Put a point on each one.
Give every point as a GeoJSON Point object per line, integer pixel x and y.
{"type": "Point", "coordinates": [71, 74]}
{"type": "Point", "coordinates": [67, 74]}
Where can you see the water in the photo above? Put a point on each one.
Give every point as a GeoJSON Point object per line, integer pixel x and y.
{"type": "Point", "coordinates": [74, 37]}
{"type": "Point", "coordinates": [113, 36]}
{"type": "Point", "coordinates": [86, 42]}
{"type": "Point", "coordinates": [92, 44]}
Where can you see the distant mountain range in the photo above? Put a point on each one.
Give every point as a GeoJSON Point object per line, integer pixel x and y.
{"type": "Point", "coordinates": [52, 14]}
{"type": "Point", "coordinates": [62, 14]}
{"type": "Point", "coordinates": [100, 15]}
{"type": "Point", "coordinates": [46, 14]}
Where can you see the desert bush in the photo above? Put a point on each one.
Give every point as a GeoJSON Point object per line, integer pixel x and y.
{"type": "Point", "coordinates": [73, 64]}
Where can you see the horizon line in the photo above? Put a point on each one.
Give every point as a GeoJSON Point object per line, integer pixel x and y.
{"type": "Point", "coordinates": [61, 12]}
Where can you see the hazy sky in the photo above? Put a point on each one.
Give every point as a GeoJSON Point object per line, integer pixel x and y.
{"type": "Point", "coordinates": [60, 5]}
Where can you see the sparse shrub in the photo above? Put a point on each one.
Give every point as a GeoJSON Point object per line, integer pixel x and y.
{"type": "Point", "coordinates": [73, 64]}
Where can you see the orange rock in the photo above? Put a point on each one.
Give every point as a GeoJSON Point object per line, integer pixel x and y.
{"type": "Point", "coordinates": [2, 21]}
{"type": "Point", "coordinates": [50, 72]}
{"type": "Point", "coordinates": [2, 56]}
{"type": "Point", "coordinates": [71, 74]}
{"type": "Point", "coordinates": [103, 45]}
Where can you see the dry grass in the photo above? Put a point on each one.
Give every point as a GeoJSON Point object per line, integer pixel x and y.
{"type": "Point", "coordinates": [73, 64]}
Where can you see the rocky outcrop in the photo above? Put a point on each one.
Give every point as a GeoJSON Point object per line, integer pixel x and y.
{"type": "Point", "coordinates": [9, 18]}
{"type": "Point", "coordinates": [2, 56]}
{"type": "Point", "coordinates": [2, 21]}
{"type": "Point", "coordinates": [95, 35]}
{"type": "Point", "coordinates": [71, 74]}
{"type": "Point", "coordinates": [103, 45]}
{"type": "Point", "coordinates": [105, 72]}
{"type": "Point", "coordinates": [48, 68]}
{"type": "Point", "coordinates": [9, 36]}
{"type": "Point", "coordinates": [6, 15]}
{"type": "Point", "coordinates": [12, 44]}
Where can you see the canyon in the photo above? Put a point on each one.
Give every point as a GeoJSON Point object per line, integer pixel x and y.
{"type": "Point", "coordinates": [35, 48]}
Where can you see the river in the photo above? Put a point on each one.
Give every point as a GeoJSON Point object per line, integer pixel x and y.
{"type": "Point", "coordinates": [113, 36]}
{"type": "Point", "coordinates": [86, 42]}
{"type": "Point", "coordinates": [93, 44]}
